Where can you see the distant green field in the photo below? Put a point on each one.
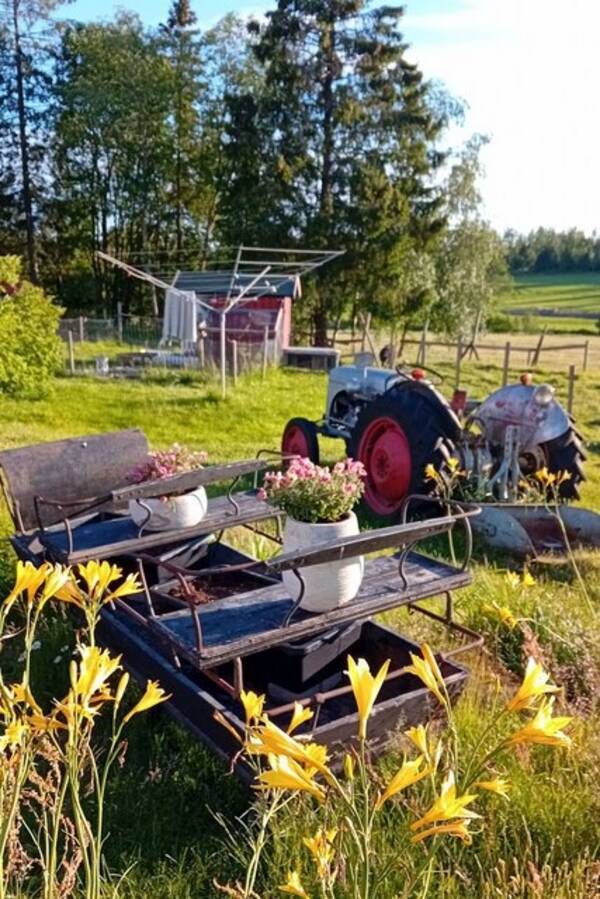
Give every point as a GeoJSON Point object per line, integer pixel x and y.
{"type": "Point", "coordinates": [569, 292]}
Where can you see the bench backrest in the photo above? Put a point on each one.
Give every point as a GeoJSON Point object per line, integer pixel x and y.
{"type": "Point", "coordinates": [68, 470]}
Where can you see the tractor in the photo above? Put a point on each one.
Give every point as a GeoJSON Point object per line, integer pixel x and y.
{"type": "Point", "coordinates": [396, 422]}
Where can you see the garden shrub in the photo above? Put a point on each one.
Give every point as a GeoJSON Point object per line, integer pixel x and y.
{"type": "Point", "coordinates": [30, 348]}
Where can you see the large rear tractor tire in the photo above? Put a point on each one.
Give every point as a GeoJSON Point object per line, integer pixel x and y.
{"type": "Point", "coordinates": [566, 453]}
{"type": "Point", "coordinates": [300, 439]}
{"type": "Point", "coordinates": [396, 437]}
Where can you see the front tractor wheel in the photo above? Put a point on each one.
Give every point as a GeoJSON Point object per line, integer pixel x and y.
{"type": "Point", "coordinates": [566, 453]}
{"type": "Point", "coordinates": [395, 438]}
{"type": "Point", "coordinates": [300, 439]}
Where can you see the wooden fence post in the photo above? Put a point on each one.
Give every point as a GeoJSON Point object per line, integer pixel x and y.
{"type": "Point", "coordinates": [71, 353]}
{"type": "Point", "coordinates": [586, 349]}
{"type": "Point", "coordinates": [81, 329]}
{"type": "Point", "coordinates": [234, 361]}
{"type": "Point", "coordinates": [459, 353]}
{"type": "Point", "coordinates": [506, 363]}
{"type": "Point", "coordinates": [538, 349]}
{"type": "Point", "coordinates": [120, 322]}
{"type": "Point", "coordinates": [571, 389]}
{"type": "Point", "coordinates": [265, 352]}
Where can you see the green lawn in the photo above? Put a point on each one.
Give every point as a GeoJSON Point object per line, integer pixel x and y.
{"type": "Point", "coordinates": [544, 842]}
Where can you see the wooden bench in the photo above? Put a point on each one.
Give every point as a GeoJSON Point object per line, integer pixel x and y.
{"type": "Point", "coordinates": [68, 499]}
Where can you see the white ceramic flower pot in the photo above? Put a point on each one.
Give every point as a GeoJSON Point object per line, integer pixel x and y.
{"type": "Point", "coordinates": [328, 585]}
{"type": "Point", "coordinates": [171, 512]}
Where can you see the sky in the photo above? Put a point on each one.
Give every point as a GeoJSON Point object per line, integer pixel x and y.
{"type": "Point", "coordinates": [529, 71]}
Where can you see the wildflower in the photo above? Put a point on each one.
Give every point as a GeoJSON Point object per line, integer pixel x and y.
{"type": "Point", "coordinates": [453, 829]}
{"type": "Point", "coordinates": [365, 688]}
{"type": "Point", "coordinates": [13, 734]}
{"type": "Point", "coordinates": [293, 886]}
{"type": "Point", "coordinates": [154, 695]}
{"type": "Point", "coordinates": [535, 683]}
{"type": "Point", "coordinates": [410, 773]}
{"type": "Point", "coordinates": [28, 580]}
{"type": "Point", "coordinates": [299, 716]}
{"type": "Point", "coordinates": [499, 785]}
{"type": "Point", "coordinates": [502, 613]}
{"type": "Point", "coordinates": [218, 716]}
{"type": "Point", "coordinates": [268, 739]}
{"type": "Point", "coordinates": [447, 805]}
{"type": "Point", "coordinates": [543, 728]}
{"type": "Point", "coordinates": [545, 477]}
{"type": "Point", "coordinates": [427, 670]}
{"type": "Point", "coordinates": [322, 849]}
{"type": "Point", "coordinates": [453, 464]}
{"type": "Point", "coordinates": [512, 579]}
{"type": "Point", "coordinates": [418, 736]}
{"type": "Point", "coordinates": [253, 705]}
{"type": "Point", "coordinates": [94, 670]}
{"type": "Point", "coordinates": [121, 687]}
{"type": "Point", "coordinates": [287, 774]}
{"type": "Point", "coordinates": [528, 580]}
{"type": "Point", "coordinates": [349, 766]}
{"type": "Point", "coordinates": [430, 472]}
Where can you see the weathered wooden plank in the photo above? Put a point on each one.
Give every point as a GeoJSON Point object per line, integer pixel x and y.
{"type": "Point", "coordinates": [187, 480]}
{"type": "Point", "coordinates": [253, 621]}
{"type": "Point", "coordinates": [119, 536]}
{"type": "Point", "coordinates": [365, 542]}
{"type": "Point", "coordinates": [67, 471]}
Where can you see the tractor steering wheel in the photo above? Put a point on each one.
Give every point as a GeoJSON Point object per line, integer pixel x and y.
{"type": "Point", "coordinates": [407, 369]}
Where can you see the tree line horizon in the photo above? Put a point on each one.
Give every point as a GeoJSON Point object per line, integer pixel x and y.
{"type": "Point", "coordinates": [310, 128]}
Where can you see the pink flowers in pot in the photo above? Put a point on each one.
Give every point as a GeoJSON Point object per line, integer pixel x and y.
{"type": "Point", "coordinates": [166, 463]}
{"type": "Point", "coordinates": [313, 493]}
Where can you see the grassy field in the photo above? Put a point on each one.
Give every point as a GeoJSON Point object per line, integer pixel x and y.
{"type": "Point", "coordinates": [543, 843]}
{"type": "Point", "coordinates": [567, 293]}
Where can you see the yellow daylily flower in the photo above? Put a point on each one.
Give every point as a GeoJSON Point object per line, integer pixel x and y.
{"type": "Point", "coordinates": [502, 613]}
{"type": "Point", "coordinates": [430, 472]}
{"type": "Point", "coordinates": [121, 687]}
{"type": "Point", "coordinates": [130, 585]}
{"type": "Point", "coordinates": [94, 670]}
{"type": "Point", "coordinates": [427, 670]}
{"type": "Point", "coordinates": [322, 850]}
{"type": "Point", "coordinates": [268, 739]}
{"type": "Point", "coordinates": [56, 578]}
{"type": "Point", "coordinates": [154, 695]}
{"type": "Point", "coordinates": [543, 728]}
{"type": "Point", "coordinates": [528, 580]}
{"type": "Point", "coordinates": [418, 736]}
{"type": "Point", "coordinates": [253, 705]}
{"type": "Point", "coordinates": [410, 773]}
{"type": "Point", "coordinates": [293, 886]}
{"type": "Point", "coordinates": [535, 683]}
{"type": "Point", "coordinates": [218, 716]}
{"type": "Point", "coordinates": [545, 477]}
{"type": "Point", "coordinates": [28, 580]}
{"type": "Point", "coordinates": [453, 464]}
{"type": "Point", "coordinates": [287, 774]}
{"type": "Point", "coordinates": [349, 766]}
{"type": "Point", "coordinates": [365, 688]}
{"type": "Point", "coordinates": [499, 785]}
{"type": "Point", "coordinates": [512, 579]}
{"type": "Point", "coordinates": [453, 829]}
{"type": "Point", "coordinates": [299, 717]}
{"type": "Point", "coordinates": [22, 693]}
{"type": "Point", "coordinates": [14, 733]}
{"type": "Point", "coordinates": [98, 576]}
{"type": "Point", "coordinates": [447, 805]}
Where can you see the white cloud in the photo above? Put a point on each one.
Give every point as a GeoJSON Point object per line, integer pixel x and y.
{"type": "Point", "coordinates": [529, 70]}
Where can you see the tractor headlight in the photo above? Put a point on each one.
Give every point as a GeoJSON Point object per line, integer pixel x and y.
{"type": "Point", "coordinates": [543, 395]}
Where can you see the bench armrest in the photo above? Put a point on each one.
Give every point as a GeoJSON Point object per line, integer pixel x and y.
{"type": "Point", "coordinates": [188, 480]}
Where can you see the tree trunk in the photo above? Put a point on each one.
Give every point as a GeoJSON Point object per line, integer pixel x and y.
{"type": "Point", "coordinates": [24, 148]}
{"type": "Point", "coordinates": [319, 321]}
{"type": "Point", "coordinates": [326, 199]}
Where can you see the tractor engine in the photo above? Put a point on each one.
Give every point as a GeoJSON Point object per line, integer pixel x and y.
{"type": "Point", "coordinates": [397, 422]}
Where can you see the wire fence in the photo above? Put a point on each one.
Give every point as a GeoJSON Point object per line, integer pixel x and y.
{"type": "Point", "coordinates": [138, 343]}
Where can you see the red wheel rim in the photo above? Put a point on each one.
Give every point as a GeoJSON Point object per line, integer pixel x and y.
{"type": "Point", "coordinates": [385, 452]}
{"type": "Point", "coordinates": [295, 442]}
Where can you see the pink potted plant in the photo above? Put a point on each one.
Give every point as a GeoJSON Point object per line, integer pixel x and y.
{"type": "Point", "coordinates": [182, 510]}
{"type": "Point", "coordinates": [318, 503]}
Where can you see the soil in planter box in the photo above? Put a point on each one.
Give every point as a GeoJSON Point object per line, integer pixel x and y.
{"type": "Point", "coordinates": [211, 588]}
